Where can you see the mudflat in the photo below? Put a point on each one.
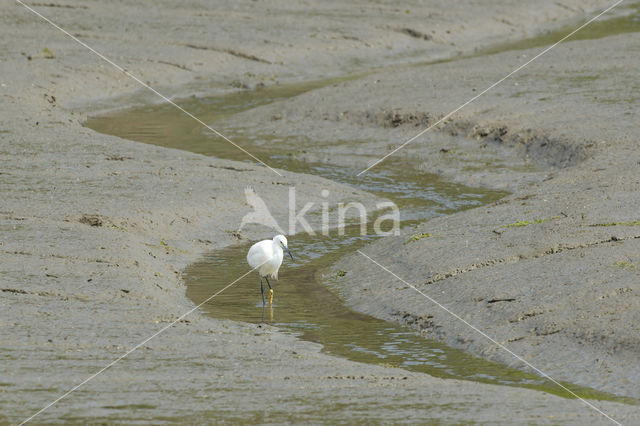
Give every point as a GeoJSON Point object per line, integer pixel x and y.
{"type": "Point", "coordinates": [96, 230]}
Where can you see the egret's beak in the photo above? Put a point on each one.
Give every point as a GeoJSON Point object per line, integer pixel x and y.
{"type": "Point", "coordinates": [287, 249]}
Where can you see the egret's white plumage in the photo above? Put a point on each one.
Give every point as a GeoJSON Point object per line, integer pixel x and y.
{"type": "Point", "coordinates": [266, 256]}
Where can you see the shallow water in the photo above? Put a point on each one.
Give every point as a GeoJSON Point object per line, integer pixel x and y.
{"type": "Point", "coordinates": [301, 304]}
{"type": "Point", "coordinates": [420, 196]}
{"type": "Point", "coordinates": [306, 308]}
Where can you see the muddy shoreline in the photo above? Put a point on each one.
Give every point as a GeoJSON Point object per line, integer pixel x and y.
{"type": "Point", "coordinates": [551, 270]}
{"type": "Point", "coordinates": [95, 229]}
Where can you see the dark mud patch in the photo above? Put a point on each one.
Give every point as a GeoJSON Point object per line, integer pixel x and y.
{"type": "Point", "coordinates": [415, 33]}
{"type": "Point", "coordinates": [229, 51]}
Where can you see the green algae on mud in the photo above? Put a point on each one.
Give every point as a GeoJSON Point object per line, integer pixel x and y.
{"type": "Point", "coordinates": [629, 22]}
{"type": "Point", "coordinates": [604, 27]}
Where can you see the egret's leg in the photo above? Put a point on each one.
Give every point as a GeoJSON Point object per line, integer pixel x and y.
{"type": "Point", "coordinates": [270, 291]}
{"type": "Point", "coordinates": [262, 291]}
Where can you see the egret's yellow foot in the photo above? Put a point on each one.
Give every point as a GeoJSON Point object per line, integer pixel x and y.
{"type": "Point", "coordinates": [270, 296]}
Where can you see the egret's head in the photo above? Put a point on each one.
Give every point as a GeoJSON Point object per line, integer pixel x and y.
{"type": "Point", "coordinates": [281, 241]}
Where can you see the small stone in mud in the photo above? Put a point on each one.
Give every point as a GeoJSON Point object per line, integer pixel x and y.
{"type": "Point", "coordinates": [415, 33]}
{"type": "Point", "coordinates": [118, 158]}
{"type": "Point", "coordinates": [239, 85]}
{"type": "Point", "coordinates": [91, 220]}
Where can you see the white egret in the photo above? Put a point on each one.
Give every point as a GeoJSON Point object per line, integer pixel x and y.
{"type": "Point", "coordinates": [266, 256]}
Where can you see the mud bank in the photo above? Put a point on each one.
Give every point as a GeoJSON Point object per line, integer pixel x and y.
{"type": "Point", "coordinates": [95, 229]}
{"type": "Point", "coordinates": [551, 271]}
